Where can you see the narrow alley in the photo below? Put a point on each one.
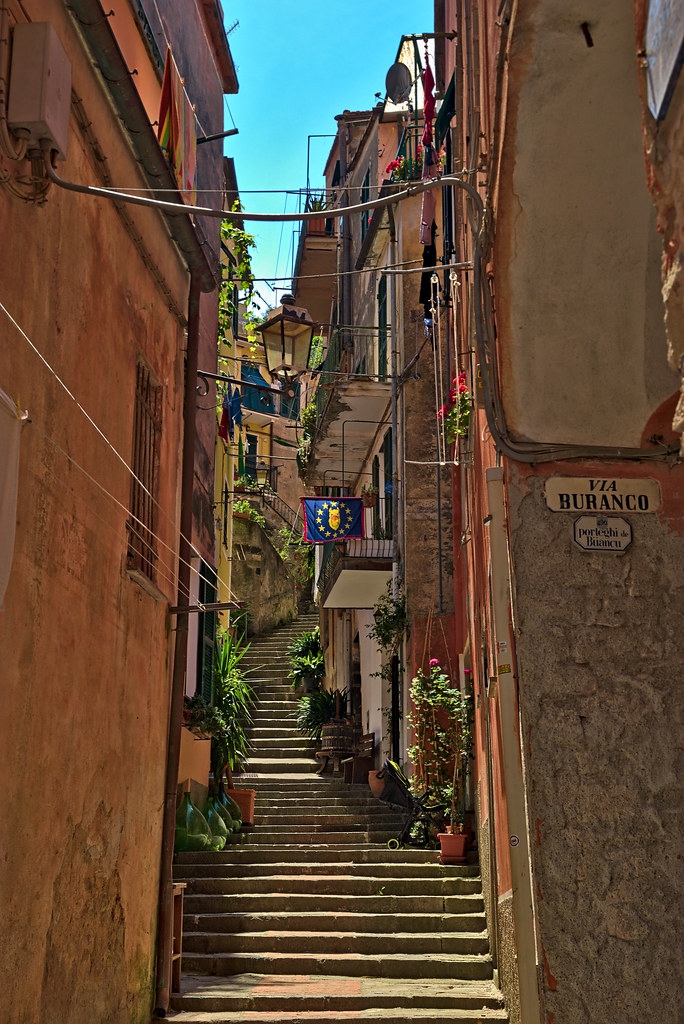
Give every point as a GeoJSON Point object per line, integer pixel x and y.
{"type": "Point", "coordinates": [313, 918]}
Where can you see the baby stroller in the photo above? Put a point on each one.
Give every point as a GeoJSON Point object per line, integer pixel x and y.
{"type": "Point", "coordinates": [424, 819]}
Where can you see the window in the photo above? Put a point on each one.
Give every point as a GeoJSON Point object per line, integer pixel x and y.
{"type": "Point", "coordinates": [251, 450]}
{"type": "Point", "coordinates": [382, 324]}
{"type": "Point", "coordinates": [365, 198]}
{"type": "Point", "coordinates": [147, 424]}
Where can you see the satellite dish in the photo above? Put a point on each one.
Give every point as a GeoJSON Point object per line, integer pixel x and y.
{"type": "Point", "coordinates": [398, 83]}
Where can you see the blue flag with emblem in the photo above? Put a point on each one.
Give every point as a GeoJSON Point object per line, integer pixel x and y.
{"type": "Point", "coordinates": [327, 519]}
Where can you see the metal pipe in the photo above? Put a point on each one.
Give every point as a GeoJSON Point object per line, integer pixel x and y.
{"type": "Point", "coordinates": [514, 785]}
{"type": "Point", "coordinates": [180, 656]}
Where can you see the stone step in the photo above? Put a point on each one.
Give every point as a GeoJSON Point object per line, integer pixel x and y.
{"type": "Point", "coordinates": [367, 965]}
{"type": "Point", "coordinates": [305, 903]}
{"type": "Point", "coordinates": [279, 746]}
{"type": "Point", "coordinates": [332, 994]}
{"type": "Point", "coordinates": [301, 799]}
{"type": "Point", "coordinates": [395, 1015]}
{"type": "Point", "coordinates": [336, 943]}
{"type": "Point", "coordinates": [291, 765]}
{"type": "Point", "coordinates": [213, 870]}
{"type": "Point", "coordinates": [272, 838]}
{"type": "Point", "coordinates": [369, 855]}
{"type": "Point", "coordinates": [376, 886]}
{"type": "Point", "coordinates": [386, 819]}
{"type": "Point", "coordinates": [319, 922]}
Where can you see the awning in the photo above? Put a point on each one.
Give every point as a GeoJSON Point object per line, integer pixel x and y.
{"type": "Point", "coordinates": [446, 112]}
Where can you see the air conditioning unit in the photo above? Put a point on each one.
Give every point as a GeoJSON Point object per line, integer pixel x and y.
{"type": "Point", "coordinates": [40, 86]}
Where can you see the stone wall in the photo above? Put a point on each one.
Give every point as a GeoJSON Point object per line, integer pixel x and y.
{"type": "Point", "coordinates": [261, 579]}
{"type": "Point", "coordinates": [599, 658]}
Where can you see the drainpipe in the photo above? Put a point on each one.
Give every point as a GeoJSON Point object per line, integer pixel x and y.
{"type": "Point", "coordinates": [521, 869]}
{"type": "Point", "coordinates": [394, 362]}
{"type": "Point", "coordinates": [165, 918]}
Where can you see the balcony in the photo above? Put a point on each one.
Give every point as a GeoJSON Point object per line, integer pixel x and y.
{"type": "Point", "coordinates": [355, 573]}
{"type": "Point", "coordinates": [314, 282]}
{"type": "Point", "coordinates": [351, 410]}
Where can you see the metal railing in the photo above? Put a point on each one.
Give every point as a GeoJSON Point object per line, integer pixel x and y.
{"type": "Point", "coordinates": [365, 548]}
{"type": "Point", "coordinates": [289, 516]}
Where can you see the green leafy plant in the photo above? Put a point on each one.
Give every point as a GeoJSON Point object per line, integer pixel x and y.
{"type": "Point", "coordinates": [201, 717]}
{"type": "Point", "coordinates": [315, 203]}
{"type": "Point", "coordinates": [308, 422]}
{"type": "Point", "coordinates": [299, 556]}
{"type": "Point", "coordinates": [233, 699]}
{"type": "Point", "coordinates": [442, 719]}
{"type": "Point", "coordinates": [317, 708]}
{"type": "Point", "coordinates": [306, 657]}
{"type": "Point", "coordinates": [316, 354]}
{"type": "Point", "coordinates": [390, 621]}
{"type": "Point", "coordinates": [242, 505]}
{"type": "Point", "coordinates": [238, 289]}
{"type": "Point", "coordinates": [245, 483]}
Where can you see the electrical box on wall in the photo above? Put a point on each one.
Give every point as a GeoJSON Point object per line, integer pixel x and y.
{"type": "Point", "coordinates": [40, 85]}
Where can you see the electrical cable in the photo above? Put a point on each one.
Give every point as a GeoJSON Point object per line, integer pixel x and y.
{"type": "Point", "coordinates": [172, 522]}
{"type": "Point", "coordinates": [414, 189]}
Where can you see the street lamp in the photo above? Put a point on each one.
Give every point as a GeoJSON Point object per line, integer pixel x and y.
{"type": "Point", "coordinates": [287, 333]}
{"type": "Point", "coordinates": [262, 474]}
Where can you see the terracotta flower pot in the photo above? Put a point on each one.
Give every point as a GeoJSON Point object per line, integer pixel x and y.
{"type": "Point", "coordinates": [452, 847]}
{"type": "Point", "coordinates": [376, 784]}
{"type": "Point", "coordinates": [244, 798]}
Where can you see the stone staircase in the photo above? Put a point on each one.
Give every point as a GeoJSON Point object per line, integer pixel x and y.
{"type": "Point", "coordinates": [311, 918]}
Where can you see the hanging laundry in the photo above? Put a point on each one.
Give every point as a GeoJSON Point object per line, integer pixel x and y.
{"type": "Point", "coordinates": [225, 429]}
{"type": "Point", "coordinates": [236, 408]}
{"type": "Point", "coordinates": [431, 169]}
{"type": "Point", "coordinates": [428, 102]}
{"type": "Point", "coordinates": [426, 287]}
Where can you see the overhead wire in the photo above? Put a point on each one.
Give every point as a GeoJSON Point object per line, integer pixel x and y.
{"type": "Point", "coordinates": [171, 520]}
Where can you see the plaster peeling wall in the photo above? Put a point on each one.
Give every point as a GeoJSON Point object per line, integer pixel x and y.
{"type": "Point", "coordinates": [579, 307]}
{"type": "Point", "coordinates": [599, 658]}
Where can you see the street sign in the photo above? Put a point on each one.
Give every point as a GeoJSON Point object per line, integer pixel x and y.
{"type": "Point", "coordinates": [602, 533]}
{"type": "Point", "coordinates": [602, 495]}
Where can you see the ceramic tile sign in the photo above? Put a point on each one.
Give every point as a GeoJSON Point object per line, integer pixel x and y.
{"type": "Point", "coordinates": [603, 495]}
{"type": "Point", "coordinates": [602, 533]}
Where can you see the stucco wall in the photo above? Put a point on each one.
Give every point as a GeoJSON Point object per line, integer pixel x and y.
{"type": "Point", "coordinates": [84, 650]}
{"type": "Point", "coordinates": [599, 659]}
{"type": "Point", "coordinates": [579, 311]}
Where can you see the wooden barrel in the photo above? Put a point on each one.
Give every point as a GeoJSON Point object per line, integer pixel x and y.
{"type": "Point", "coordinates": [336, 736]}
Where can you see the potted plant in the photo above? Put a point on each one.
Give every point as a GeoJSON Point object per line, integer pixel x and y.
{"type": "Point", "coordinates": [442, 719]}
{"type": "Point", "coordinates": [201, 717]}
{"type": "Point", "coordinates": [233, 698]}
{"type": "Point", "coordinates": [316, 204]}
{"type": "Point", "coordinates": [455, 415]}
{"type": "Point", "coordinates": [316, 709]}
{"type": "Point", "coordinates": [307, 663]}
{"type": "Point", "coordinates": [369, 496]}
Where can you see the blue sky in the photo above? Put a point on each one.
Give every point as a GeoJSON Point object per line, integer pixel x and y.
{"type": "Point", "coordinates": [298, 66]}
